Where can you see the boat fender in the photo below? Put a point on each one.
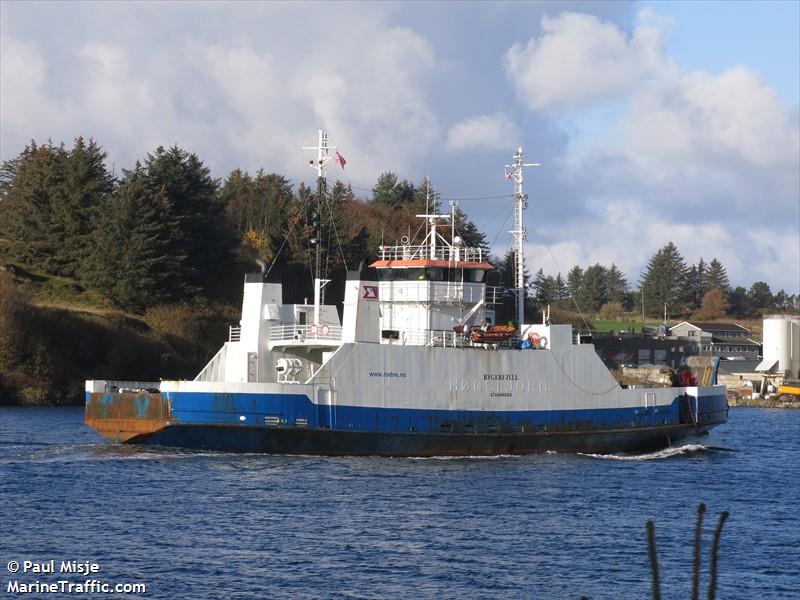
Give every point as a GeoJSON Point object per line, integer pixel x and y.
{"type": "Point", "coordinates": [543, 342]}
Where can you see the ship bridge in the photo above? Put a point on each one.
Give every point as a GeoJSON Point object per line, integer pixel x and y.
{"type": "Point", "coordinates": [429, 291]}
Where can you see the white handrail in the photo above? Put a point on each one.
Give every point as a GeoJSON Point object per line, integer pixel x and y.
{"type": "Point", "coordinates": [423, 252]}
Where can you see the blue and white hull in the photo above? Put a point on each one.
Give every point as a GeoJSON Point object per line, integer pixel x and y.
{"type": "Point", "coordinates": [514, 402]}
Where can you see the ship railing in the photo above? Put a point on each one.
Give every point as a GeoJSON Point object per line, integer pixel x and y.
{"type": "Point", "coordinates": [423, 252]}
{"type": "Point", "coordinates": [234, 334]}
{"type": "Point", "coordinates": [453, 291]}
{"type": "Point", "coordinates": [494, 294]}
{"type": "Point", "coordinates": [439, 338]}
{"type": "Point", "coordinates": [305, 333]}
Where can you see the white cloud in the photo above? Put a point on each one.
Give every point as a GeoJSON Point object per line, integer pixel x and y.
{"type": "Point", "coordinates": [701, 118]}
{"type": "Point", "coordinates": [23, 76]}
{"type": "Point", "coordinates": [579, 59]}
{"type": "Point", "coordinates": [494, 131]}
{"type": "Point", "coordinates": [688, 155]}
{"type": "Point", "coordinates": [238, 100]}
{"type": "Point", "coordinates": [628, 236]}
{"type": "Point", "coordinates": [695, 157]}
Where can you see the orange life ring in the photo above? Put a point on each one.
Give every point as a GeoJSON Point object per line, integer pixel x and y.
{"type": "Point", "coordinates": [533, 338]}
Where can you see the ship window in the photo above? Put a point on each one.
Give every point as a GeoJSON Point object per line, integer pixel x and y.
{"type": "Point", "coordinates": [390, 334]}
{"type": "Point", "coordinates": [454, 275]}
{"type": "Point", "coordinates": [400, 274]}
{"type": "Point", "coordinates": [301, 317]}
{"type": "Point", "coordinates": [386, 274]}
{"type": "Point", "coordinates": [435, 274]}
{"type": "Point", "coordinates": [477, 275]}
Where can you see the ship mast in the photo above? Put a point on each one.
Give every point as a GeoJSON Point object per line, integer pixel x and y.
{"type": "Point", "coordinates": [514, 171]}
{"type": "Point", "coordinates": [323, 157]}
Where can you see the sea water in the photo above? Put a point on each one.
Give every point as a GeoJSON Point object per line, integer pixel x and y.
{"type": "Point", "coordinates": [213, 525]}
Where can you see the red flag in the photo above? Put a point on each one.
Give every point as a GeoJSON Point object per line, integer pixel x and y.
{"type": "Point", "coordinates": [339, 160]}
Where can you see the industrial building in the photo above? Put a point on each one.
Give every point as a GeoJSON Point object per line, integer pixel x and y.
{"type": "Point", "coordinates": [725, 340]}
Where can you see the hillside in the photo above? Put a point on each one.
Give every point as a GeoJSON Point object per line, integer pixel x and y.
{"type": "Point", "coordinates": [54, 335]}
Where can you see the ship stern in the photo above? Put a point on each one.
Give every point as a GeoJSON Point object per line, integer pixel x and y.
{"type": "Point", "coordinates": [126, 411]}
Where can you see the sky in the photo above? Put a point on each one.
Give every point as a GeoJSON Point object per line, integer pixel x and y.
{"type": "Point", "coordinates": [653, 121]}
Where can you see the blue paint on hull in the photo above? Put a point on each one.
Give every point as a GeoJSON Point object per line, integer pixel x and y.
{"type": "Point", "coordinates": [292, 424]}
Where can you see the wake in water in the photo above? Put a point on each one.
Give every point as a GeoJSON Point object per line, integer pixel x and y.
{"type": "Point", "coordinates": [685, 450]}
{"type": "Point", "coordinates": [475, 457]}
{"type": "Point", "coordinates": [99, 451]}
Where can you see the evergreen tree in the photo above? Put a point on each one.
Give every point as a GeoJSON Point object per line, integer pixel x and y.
{"type": "Point", "coordinates": [760, 296]}
{"type": "Point", "coordinates": [664, 281]}
{"type": "Point", "coordinates": [716, 276]}
{"type": "Point", "coordinates": [575, 287]}
{"type": "Point", "coordinates": [471, 236]}
{"type": "Point", "coordinates": [426, 199]}
{"type": "Point", "coordinates": [33, 185]}
{"type": "Point", "coordinates": [51, 196]}
{"type": "Point", "coordinates": [561, 290]}
{"type": "Point", "coordinates": [200, 240]}
{"type": "Point", "coordinates": [506, 278]}
{"type": "Point", "coordinates": [131, 262]}
{"type": "Point", "coordinates": [739, 302]}
{"type": "Point", "coordinates": [696, 284]}
{"type": "Point", "coordinates": [87, 186]}
{"type": "Point", "coordinates": [544, 289]}
{"type": "Point", "coordinates": [392, 192]}
{"type": "Point", "coordinates": [702, 277]}
{"type": "Point", "coordinates": [616, 284]}
{"type": "Point", "coordinates": [594, 288]}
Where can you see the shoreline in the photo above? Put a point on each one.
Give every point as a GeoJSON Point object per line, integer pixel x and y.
{"type": "Point", "coordinates": [762, 403]}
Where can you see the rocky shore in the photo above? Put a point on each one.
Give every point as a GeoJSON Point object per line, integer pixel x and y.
{"type": "Point", "coordinates": [734, 400]}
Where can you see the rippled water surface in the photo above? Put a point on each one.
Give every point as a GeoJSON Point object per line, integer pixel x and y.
{"type": "Point", "coordinates": [204, 525]}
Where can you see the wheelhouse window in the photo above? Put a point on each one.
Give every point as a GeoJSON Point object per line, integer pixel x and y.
{"type": "Point", "coordinates": [435, 274]}
{"type": "Point", "coordinates": [476, 275]}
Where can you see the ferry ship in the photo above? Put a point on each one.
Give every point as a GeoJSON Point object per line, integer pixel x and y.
{"type": "Point", "coordinates": [414, 367]}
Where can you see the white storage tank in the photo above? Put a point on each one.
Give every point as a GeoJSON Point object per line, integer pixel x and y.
{"type": "Point", "coordinates": [782, 343]}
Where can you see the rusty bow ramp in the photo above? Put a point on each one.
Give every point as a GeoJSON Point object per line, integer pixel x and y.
{"type": "Point", "coordinates": [123, 416]}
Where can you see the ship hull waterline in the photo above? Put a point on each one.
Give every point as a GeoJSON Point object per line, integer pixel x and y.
{"type": "Point", "coordinates": [276, 440]}
{"type": "Point", "coordinates": [333, 442]}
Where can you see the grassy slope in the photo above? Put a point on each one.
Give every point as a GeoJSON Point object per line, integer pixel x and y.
{"type": "Point", "coordinates": [67, 334]}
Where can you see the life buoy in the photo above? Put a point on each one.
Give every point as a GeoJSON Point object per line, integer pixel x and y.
{"type": "Point", "coordinates": [325, 330]}
{"type": "Point", "coordinates": [533, 338]}
{"type": "Point", "coordinates": [313, 329]}
{"type": "Point", "coordinates": [543, 342]}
